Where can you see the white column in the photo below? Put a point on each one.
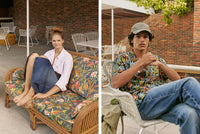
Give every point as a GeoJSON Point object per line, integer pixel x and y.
{"type": "Point", "coordinates": [27, 25]}
{"type": "Point", "coordinates": [112, 29]}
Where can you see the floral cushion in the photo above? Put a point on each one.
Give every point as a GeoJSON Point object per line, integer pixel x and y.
{"type": "Point", "coordinates": [18, 74]}
{"type": "Point", "coordinates": [85, 103]}
{"type": "Point", "coordinates": [84, 77]}
{"type": "Point", "coordinates": [14, 87]}
{"type": "Point", "coordinates": [59, 107]}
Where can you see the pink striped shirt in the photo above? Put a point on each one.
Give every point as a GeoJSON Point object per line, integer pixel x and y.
{"type": "Point", "coordinates": [63, 65]}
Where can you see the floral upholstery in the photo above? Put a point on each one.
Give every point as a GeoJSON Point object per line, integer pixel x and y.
{"type": "Point", "coordinates": [84, 77]}
{"type": "Point", "coordinates": [18, 74]}
{"type": "Point", "coordinates": [85, 103]}
{"type": "Point", "coordinates": [14, 87]}
{"type": "Point", "coordinates": [59, 107]}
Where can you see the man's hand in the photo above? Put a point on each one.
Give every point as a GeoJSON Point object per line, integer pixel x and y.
{"type": "Point", "coordinates": [155, 63]}
{"type": "Point", "coordinates": [148, 58]}
{"type": "Point", "coordinates": [40, 95]}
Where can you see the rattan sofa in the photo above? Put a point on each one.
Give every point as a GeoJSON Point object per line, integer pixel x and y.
{"type": "Point", "coordinates": [73, 111]}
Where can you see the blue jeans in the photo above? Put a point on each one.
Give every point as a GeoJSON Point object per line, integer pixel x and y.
{"type": "Point", "coordinates": [177, 102]}
{"type": "Point", "coordinates": [43, 76]}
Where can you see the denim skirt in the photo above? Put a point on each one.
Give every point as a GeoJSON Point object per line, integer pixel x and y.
{"type": "Point", "coordinates": [43, 75]}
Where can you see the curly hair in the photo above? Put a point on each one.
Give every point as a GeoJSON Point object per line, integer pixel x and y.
{"type": "Point", "coordinates": [57, 30]}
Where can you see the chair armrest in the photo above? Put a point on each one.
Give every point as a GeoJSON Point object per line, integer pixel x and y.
{"type": "Point", "coordinates": [9, 74]}
{"type": "Point", "coordinates": [106, 46]}
{"type": "Point", "coordinates": [126, 100]}
{"type": "Point", "coordinates": [87, 119]}
{"type": "Point", "coordinates": [103, 54]}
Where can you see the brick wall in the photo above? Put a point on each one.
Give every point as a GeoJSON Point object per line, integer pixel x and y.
{"type": "Point", "coordinates": [75, 16]}
{"type": "Point", "coordinates": [172, 42]}
{"type": "Point", "coordinates": [196, 34]}
{"type": "Point", "coordinates": [122, 27]}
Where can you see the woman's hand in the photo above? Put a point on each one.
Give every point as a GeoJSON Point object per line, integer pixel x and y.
{"type": "Point", "coordinates": [52, 91]}
{"type": "Point", "coordinates": [40, 96]}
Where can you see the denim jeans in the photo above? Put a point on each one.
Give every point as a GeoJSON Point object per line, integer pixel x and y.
{"type": "Point", "coordinates": [43, 76]}
{"type": "Point", "coordinates": [177, 102]}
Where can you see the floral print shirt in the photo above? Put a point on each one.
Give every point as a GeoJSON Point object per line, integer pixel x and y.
{"type": "Point", "coordinates": [143, 80]}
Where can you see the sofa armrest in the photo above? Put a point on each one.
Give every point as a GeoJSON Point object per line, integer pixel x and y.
{"type": "Point", "coordinates": [9, 74]}
{"type": "Point", "coordinates": [87, 120]}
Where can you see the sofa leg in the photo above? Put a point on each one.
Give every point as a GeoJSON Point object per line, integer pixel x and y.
{"type": "Point", "coordinates": [32, 121]}
{"type": "Point", "coordinates": [7, 100]}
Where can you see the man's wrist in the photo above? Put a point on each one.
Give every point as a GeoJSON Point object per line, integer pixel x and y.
{"type": "Point", "coordinates": [140, 64]}
{"type": "Point", "coordinates": [160, 64]}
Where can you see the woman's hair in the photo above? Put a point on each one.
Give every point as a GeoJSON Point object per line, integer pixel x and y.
{"type": "Point", "coordinates": [58, 31]}
{"type": "Point", "coordinates": [131, 36]}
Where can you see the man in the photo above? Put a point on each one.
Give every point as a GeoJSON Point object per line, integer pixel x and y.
{"type": "Point", "coordinates": [143, 74]}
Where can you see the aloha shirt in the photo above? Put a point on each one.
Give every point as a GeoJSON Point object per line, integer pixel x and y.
{"type": "Point", "coordinates": [143, 80]}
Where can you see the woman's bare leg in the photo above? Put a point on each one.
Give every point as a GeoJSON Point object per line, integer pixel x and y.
{"type": "Point", "coordinates": [27, 84]}
{"type": "Point", "coordinates": [27, 97]}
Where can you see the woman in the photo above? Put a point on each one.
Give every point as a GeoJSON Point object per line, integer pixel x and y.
{"type": "Point", "coordinates": [47, 74]}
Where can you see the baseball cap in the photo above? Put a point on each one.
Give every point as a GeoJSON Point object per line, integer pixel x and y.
{"type": "Point", "coordinates": [139, 27]}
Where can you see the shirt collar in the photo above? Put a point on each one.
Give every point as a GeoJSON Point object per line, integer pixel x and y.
{"type": "Point", "coordinates": [133, 56]}
{"type": "Point", "coordinates": [132, 52]}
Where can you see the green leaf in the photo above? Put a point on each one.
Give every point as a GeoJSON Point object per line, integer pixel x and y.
{"type": "Point", "coordinates": [167, 7]}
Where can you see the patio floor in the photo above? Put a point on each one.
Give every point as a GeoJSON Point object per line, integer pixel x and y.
{"type": "Point", "coordinates": [130, 127]}
{"type": "Point", "coordinates": [16, 119]}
